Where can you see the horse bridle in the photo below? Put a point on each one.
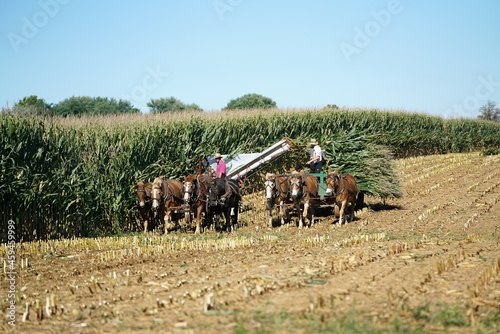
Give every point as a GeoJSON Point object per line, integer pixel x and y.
{"type": "Point", "coordinates": [297, 180]}
{"type": "Point", "coordinates": [196, 185]}
{"type": "Point", "coordinates": [271, 183]}
{"type": "Point", "coordinates": [336, 180]}
{"type": "Point", "coordinates": [165, 184]}
{"type": "Point", "coordinates": [147, 198]}
{"type": "Point", "coordinates": [275, 186]}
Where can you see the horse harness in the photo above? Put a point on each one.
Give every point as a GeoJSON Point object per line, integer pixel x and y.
{"type": "Point", "coordinates": [197, 185]}
{"type": "Point", "coordinates": [167, 196]}
{"type": "Point", "coordinates": [339, 178]}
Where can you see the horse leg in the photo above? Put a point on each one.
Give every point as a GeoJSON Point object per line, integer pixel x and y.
{"type": "Point", "coordinates": [217, 221]}
{"type": "Point", "coordinates": [236, 216]}
{"type": "Point", "coordinates": [311, 221]}
{"type": "Point", "coordinates": [198, 220]}
{"type": "Point", "coordinates": [198, 229]}
{"type": "Point", "coordinates": [342, 210]}
{"type": "Point", "coordinates": [303, 216]}
{"type": "Point", "coordinates": [168, 221]}
{"type": "Point", "coordinates": [353, 209]}
{"type": "Point", "coordinates": [233, 217]}
{"type": "Point", "coordinates": [227, 217]}
{"type": "Point", "coordinates": [282, 213]}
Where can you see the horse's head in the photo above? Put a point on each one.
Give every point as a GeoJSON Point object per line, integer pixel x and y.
{"type": "Point", "coordinates": [143, 193]}
{"type": "Point", "coordinates": [332, 181]}
{"type": "Point", "coordinates": [140, 193]}
{"type": "Point", "coordinates": [189, 187]}
{"type": "Point", "coordinates": [296, 184]}
{"type": "Point", "coordinates": [270, 186]}
{"type": "Point", "coordinates": [157, 192]}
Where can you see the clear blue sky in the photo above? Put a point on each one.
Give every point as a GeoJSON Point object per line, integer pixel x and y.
{"type": "Point", "coordinates": [440, 57]}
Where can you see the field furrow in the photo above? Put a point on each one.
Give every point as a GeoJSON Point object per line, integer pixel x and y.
{"type": "Point", "coordinates": [428, 262]}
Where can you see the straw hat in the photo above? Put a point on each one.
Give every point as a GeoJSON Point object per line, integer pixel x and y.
{"type": "Point", "coordinates": [218, 156]}
{"type": "Point", "coordinates": [313, 142]}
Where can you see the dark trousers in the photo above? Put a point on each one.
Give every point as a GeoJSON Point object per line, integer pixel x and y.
{"type": "Point", "coordinates": [316, 166]}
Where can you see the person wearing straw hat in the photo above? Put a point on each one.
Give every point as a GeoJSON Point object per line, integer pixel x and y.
{"type": "Point", "coordinates": [220, 170]}
{"type": "Point", "coordinates": [316, 157]}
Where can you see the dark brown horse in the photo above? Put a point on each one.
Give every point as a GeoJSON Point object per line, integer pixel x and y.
{"type": "Point", "coordinates": [167, 201]}
{"type": "Point", "coordinates": [345, 190]}
{"type": "Point", "coordinates": [218, 206]}
{"type": "Point", "coordinates": [304, 190]}
{"type": "Point", "coordinates": [277, 193]}
{"type": "Point", "coordinates": [144, 204]}
{"type": "Point", "coordinates": [195, 196]}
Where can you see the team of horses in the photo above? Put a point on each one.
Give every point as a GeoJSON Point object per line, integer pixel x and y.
{"type": "Point", "coordinates": [298, 192]}
{"type": "Point", "coordinates": [202, 199]}
{"type": "Point", "coordinates": [199, 198]}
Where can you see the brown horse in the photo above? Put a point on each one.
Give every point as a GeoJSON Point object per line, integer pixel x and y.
{"type": "Point", "coordinates": [144, 205]}
{"type": "Point", "coordinates": [277, 193]}
{"type": "Point", "coordinates": [167, 201]}
{"type": "Point", "coordinates": [345, 190]}
{"type": "Point", "coordinates": [304, 189]}
{"type": "Point", "coordinates": [195, 196]}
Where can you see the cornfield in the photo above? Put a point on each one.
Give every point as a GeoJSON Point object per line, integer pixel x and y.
{"type": "Point", "coordinates": [74, 177]}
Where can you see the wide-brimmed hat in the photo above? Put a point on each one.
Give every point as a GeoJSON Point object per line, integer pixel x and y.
{"type": "Point", "coordinates": [217, 156]}
{"type": "Point", "coordinates": [313, 142]}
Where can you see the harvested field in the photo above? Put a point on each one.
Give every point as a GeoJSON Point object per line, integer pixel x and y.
{"type": "Point", "coordinates": [427, 262]}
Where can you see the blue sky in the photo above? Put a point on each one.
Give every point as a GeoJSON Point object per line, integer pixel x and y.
{"type": "Point", "coordinates": [440, 57]}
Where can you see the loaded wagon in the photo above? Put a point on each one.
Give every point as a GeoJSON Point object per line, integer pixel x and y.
{"type": "Point", "coordinates": [247, 164]}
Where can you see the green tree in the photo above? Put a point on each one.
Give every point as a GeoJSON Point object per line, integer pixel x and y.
{"type": "Point", "coordinates": [489, 112]}
{"type": "Point", "coordinates": [251, 101]}
{"type": "Point", "coordinates": [85, 105]}
{"type": "Point", "coordinates": [170, 104]}
{"type": "Point", "coordinates": [32, 105]}
{"type": "Point", "coordinates": [331, 107]}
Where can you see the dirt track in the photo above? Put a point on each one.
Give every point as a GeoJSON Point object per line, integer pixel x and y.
{"type": "Point", "coordinates": [428, 261]}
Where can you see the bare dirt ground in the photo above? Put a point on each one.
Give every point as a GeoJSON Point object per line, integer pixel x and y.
{"type": "Point", "coordinates": [427, 262]}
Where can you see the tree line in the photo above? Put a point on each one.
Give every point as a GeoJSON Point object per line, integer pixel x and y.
{"type": "Point", "coordinates": [85, 105]}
